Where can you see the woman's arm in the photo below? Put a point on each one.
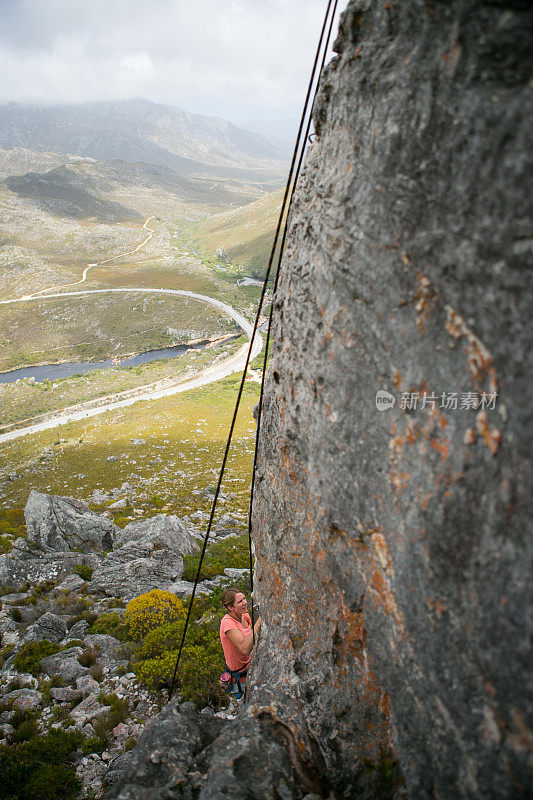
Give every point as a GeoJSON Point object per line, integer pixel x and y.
{"type": "Point", "coordinates": [243, 641]}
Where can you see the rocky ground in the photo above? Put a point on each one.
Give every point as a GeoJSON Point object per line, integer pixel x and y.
{"type": "Point", "coordinates": [72, 567]}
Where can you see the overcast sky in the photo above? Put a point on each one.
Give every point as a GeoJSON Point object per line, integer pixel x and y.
{"type": "Point", "coordinates": [239, 59]}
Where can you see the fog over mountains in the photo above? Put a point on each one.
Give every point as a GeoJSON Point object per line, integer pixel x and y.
{"type": "Point", "coordinates": [137, 131]}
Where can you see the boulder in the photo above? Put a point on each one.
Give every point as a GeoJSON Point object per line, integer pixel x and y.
{"type": "Point", "coordinates": [235, 574]}
{"type": "Point", "coordinates": [88, 710]}
{"type": "Point", "coordinates": [48, 626]}
{"type": "Point", "coordinates": [104, 645]}
{"type": "Point", "coordinates": [129, 579]}
{"type": "Point", "coordinates": [71, 584]}
{"type": "Point", "coordinates": [23, 699]}
{"type": "Point", "coordinates": [168, 532]}
{"type": "Point", "coordinates": [174, 750]}
{"type": "Point", "coordinates": [26, 563]}
{"type": "Point", "coordinates": [64, 694]}
{"type": "Point", "coordinates": [64, 523]}
{"type": "Point", "coordinates": [79, 630]}
{"type": "Point", "coordinates": [149, 560]}
{"type": "Point", "coordinates": [65, 664]}
{"type": "Point", "coordinates": [87, 684]}
{"type": "Point", "coordinates": [27, 680]}
{"type": "Point", "coordinates": [183, 589]}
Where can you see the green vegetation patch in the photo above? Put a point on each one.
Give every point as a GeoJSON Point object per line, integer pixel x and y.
{"type": "Point", "coordinates": [29, 656]}
{"type": "Point", "coordinates": [185, 438]}
{"type": "Point", "coordinates": [238, 241]}
{"type": "Point", "coordinates": [230, 552]}
{"type": "Point", "coordinates": [111, 624]}
{"type": "Point", "coordinates": [83, 571]}
{"type": "Point", "coordinates": [41, 768]}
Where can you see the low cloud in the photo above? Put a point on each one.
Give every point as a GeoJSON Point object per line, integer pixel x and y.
{"type": "Point", "coordinates": [235, 58]}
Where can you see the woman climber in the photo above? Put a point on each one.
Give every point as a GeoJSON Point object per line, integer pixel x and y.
{"type": "Point", "coordinates": [237, 641]}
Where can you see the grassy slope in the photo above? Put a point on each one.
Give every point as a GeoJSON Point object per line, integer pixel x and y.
{"type": "Point", "coordinates": [185, 438]}
{"type": "Point", "coordinates": [245, 234]}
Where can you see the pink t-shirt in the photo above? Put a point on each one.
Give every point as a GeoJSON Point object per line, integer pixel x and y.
{"type": "Point", "coordinates": [234, 659]}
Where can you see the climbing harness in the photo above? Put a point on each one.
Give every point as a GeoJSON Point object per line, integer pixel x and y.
{"type": "Point", "coordinates": [230, 681]}
{"type": "Point", "coordinates": [296, 163]}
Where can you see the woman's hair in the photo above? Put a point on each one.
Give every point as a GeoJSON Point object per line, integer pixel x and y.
{"type": "Point", "coordinates": [229, 595]}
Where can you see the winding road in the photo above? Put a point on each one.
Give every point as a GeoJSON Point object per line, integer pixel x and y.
{"type": "Point", "coordinates": [89, 267]}
{"type": "Point", "coordinates": [234, 363]}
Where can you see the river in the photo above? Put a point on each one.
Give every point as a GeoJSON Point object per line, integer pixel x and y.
{"type": "Point", "coordinates": [52, 372]}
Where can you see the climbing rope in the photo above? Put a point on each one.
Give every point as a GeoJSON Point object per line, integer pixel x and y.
{"type": "Point", "coordinates": [294, 171]}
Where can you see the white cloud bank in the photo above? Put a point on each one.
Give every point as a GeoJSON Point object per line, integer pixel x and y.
{"type": "Point", "coordinates": [240, 59]}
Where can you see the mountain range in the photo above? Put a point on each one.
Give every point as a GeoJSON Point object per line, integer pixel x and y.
{"type": "Point", "coordinates": [137, 130]}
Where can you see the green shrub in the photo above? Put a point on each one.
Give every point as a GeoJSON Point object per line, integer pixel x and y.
{"type": "Point", "coordinates": [5, 652]}
{"type": "Point", "coordinates": [92, 745]}
{"type": "Point", "coordinates": [108, 720]}
{"type": "Point", "coordinates": [25, 731]}
{"type": "Point", "coordinates": [6, 545]}
{"type": "Point", "coordinates": [112, 624]}
{"type": "Point", "coordinates": [29, 656]}
{"type": "Point", "coordinates": [72, 643]}
{"type": "Point", "coordinates": [84, 572]}
{"type": "Point", "coordinates": [40, 769]}
{"type": "Point", "coordinates": [12, 521]}
{"type": "Point", "coordinates": [149, 611]}
{"type": "Point", "coordinates": [202, 658]}
{"type": "Point", "coordinates": [87, 658]}
{"type": "Point", "coordinates": [230, 552]}
{"type": "Point", "coordinates": [97, 672]}
{"type": "Point", "coordinates": [25, 724]}
{"type": "Point", "coordinates": [161, 640]}
{"type": "Point", "coordinates": [15, 614]}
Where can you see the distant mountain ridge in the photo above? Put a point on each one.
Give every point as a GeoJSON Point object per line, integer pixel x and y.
{"type": "Point", "coordinates": [136, 131]}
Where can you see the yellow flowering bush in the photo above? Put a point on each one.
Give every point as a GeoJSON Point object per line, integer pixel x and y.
{"type": "Point", "coordinates": [151, 610]}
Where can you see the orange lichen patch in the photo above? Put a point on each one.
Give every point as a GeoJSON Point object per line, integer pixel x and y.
{"type": "Point", "coordinates": [424, 502]}
{"type": "Point", "coordinates": [491, 437]}
{"type": "Point", "coordinates": [384, 598]}
{"type": "Point", "coordinates": [385, 705]}
{"type": "Point", "coordinates": [397, 379]}
{"type": "Point", "coordinates": [424, 299]}
{"type": "Point", "coordinates": [442, 447]}
{"type": "Point", "coordinates": [399, 480]}
{"type": "Point", "coordinates": [437, 606]}
{"type": "Point", "coordinates": [480, 362]}
{"type": "Point", "coordinates": [405, 259]}
{"type": "Point", "coordinates": [382, 551]}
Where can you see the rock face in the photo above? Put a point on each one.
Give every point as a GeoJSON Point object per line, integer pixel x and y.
{"type": "Point", "coordinates": [62, 523]}
{"type": "Point", "coordinates": [172, 755]}
{"type": "Point", "coordinates": [391, 536]}
{"type": "Point", "coordinates": [149, 556]}
{"type": "Point", "coordinates": [27, 563]}
{"type": "Point", "coordinates": [163, 532]}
